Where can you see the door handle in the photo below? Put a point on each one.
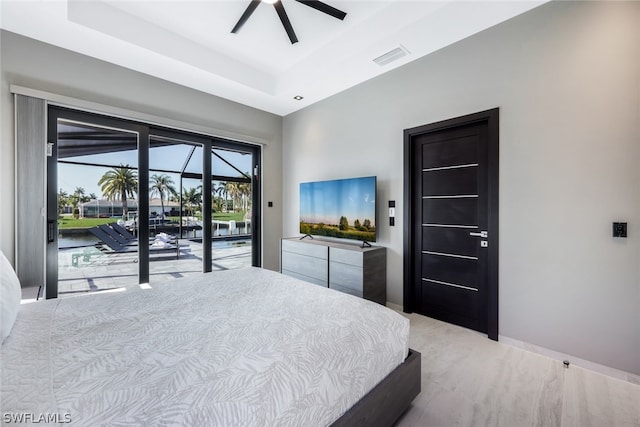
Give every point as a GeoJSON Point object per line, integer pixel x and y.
{"type": "Point", "coordinates": [483, 234]}
{"type": "Point", "coordinates": [51, 235]}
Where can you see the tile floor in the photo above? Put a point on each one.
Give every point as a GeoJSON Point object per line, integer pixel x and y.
{"type": "Point", "coordinates": [469, 380]}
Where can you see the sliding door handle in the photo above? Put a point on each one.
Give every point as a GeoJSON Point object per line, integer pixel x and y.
{"type": "Point", "coordinates": [51, 234]}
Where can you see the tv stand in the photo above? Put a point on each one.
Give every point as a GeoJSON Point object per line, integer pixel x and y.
{"type": "Point", "coordinates": [350, 268]}
{"type": "Point", "coordinates": [307, 235]}
{"type": "Point", "coordinates": [365, 244]}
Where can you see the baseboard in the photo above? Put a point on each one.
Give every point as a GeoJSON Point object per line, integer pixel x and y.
{"type": "Point", "coordinates": [586, 364]}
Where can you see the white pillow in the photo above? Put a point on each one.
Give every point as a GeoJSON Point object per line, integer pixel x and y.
{"type": "Point", "coordinates": [10, 295]}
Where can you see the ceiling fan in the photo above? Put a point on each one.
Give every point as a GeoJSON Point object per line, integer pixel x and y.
{"type": "Point", "coordinates": [277, 4]}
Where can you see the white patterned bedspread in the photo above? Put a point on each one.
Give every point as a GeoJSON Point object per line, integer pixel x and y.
{"type": "Point", "coordinates": [246, 347]}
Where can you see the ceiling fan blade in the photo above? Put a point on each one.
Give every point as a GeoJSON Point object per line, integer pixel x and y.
{"type": "Point", "coordinates": [323, 7]}
{"type": "Point", "coordinates": [247, 13]}
{"type": "Point", "coordinates": [285, 21]}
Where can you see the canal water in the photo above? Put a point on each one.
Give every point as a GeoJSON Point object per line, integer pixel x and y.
{"type": "Point", "coordinates": [87, 239]}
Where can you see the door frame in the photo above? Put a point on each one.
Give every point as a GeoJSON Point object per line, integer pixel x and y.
{"type": "Point", "coordinates": [491, 118]}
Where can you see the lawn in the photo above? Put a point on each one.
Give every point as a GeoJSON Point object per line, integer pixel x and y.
{"type": "Point", "coordinates": [71, 222]}
{"type": "Point", "coordinates": [228, 216]}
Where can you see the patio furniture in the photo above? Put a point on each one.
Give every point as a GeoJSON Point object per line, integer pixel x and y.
{"type": "Point", "coordinates": [116, 247]}
{"type": "Point", "coordinates": [123, 231]}
{"type": "Point", "coordinates": [129, 239]}
{"type": "Point", "coordinates": [118, 237]}
{"type": "Point", "coordinates": [86, 255]}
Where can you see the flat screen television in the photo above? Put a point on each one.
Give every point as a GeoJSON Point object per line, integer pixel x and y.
{"type": "Point", "coordinates": [342, 208]}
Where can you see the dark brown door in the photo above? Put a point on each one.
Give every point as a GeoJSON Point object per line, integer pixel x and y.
{"type": "Point", "coordinates": [451, 233]}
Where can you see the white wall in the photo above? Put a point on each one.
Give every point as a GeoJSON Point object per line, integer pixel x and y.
{"type": "Point", "coordinates": [566, 77]}
{"type": "Point", "coordinates": [26, 62]}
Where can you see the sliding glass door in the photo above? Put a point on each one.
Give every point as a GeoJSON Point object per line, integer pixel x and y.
{"type": "Point", "coordinates": [130, 203]}
{"type": "Point", "coordinates": [93, 175]}
{"type": "Point", "coordinates": [234, 194]}
{"type": "Point", "coordinates": [176, 215]}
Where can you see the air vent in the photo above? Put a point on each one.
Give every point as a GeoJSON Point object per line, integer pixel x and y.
{"type": "Point", "coordinates": [392, 55]}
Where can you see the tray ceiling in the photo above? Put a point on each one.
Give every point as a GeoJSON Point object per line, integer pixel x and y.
{"type": "Point", "coordinates": [190, 42]}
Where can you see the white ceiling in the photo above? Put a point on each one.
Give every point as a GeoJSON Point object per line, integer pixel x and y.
{"type": "Point", "coordinates": [190, 42]}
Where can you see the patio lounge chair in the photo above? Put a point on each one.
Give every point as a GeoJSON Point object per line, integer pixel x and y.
{"type": "Point", "coordinates": [117, 236]}
{"type": "Point", "coordinates": [123, 231]}
{"type": "Point", "coordinates": [123, 236]}
{"type": "Point", "coordinates": [130, 239]}
{"type": "Point", "coordinates": [116, 247]}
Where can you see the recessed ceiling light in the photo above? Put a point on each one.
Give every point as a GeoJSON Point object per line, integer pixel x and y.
{"type": "Point", "coordinates": [298, 97]}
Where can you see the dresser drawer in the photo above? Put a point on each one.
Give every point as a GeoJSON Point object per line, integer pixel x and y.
{"type": "Point", "coordinates": [346, 256]}
{"type": "Point", "coordinates": [315, 268]}
{"type": "Point", "coordinates": [307, 279]}
{"type": "Point", "coordinates": [303, 248]}
{"type": "Point", "coordinates": [346, 276]}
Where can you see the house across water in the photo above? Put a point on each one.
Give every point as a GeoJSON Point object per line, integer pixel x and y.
{"type": "Point", "coordinates": [104, 208]}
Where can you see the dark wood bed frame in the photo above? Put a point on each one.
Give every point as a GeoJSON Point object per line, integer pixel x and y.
{"type": "Point", "coordinates": [383, 405]}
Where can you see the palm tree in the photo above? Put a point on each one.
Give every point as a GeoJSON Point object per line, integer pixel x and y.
{"type": "Point", "coordinates": [239, 192]}
{"type": "Point", "coordinates": [245, 193]}
{"type": "Point", "coordinates": [162, 185]}
{"type": "Point", "coordinates": [79, 192]}
{"type": "Point", "coordinates": [63, 200]}
{"type": "Point", "coordinates": [222, 191]}
{"type": "Point", "coordinates": [191, 197]}
{"type": "Point", "coordinates": [78, 196]}
{"type": "Point", "coordinates": [234, 190]}
{"type": "Point", "coordinates": [216, 196]}
{"type": "Point", "coordinates": [120, 182]}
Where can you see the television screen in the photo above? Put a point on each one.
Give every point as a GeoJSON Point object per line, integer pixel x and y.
{"type": "Point", "coordinates": [344, 208]}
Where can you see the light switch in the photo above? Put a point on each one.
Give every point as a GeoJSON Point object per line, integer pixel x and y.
{"type": "Point", "coordinates": [619, 229]}
{"type": "Point", "coordinates": [392, 213]}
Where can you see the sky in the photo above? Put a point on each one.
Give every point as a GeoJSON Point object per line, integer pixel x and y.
{"type": "Point", "coordinates": [87, 177]}
{"type": "Point", "coordinates": [71, 176]}
{"type": "Point", "coordinates": [327, 201]}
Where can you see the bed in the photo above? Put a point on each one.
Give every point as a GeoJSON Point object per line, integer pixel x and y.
{"type": "Point", "coordinates": [246, 347]}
